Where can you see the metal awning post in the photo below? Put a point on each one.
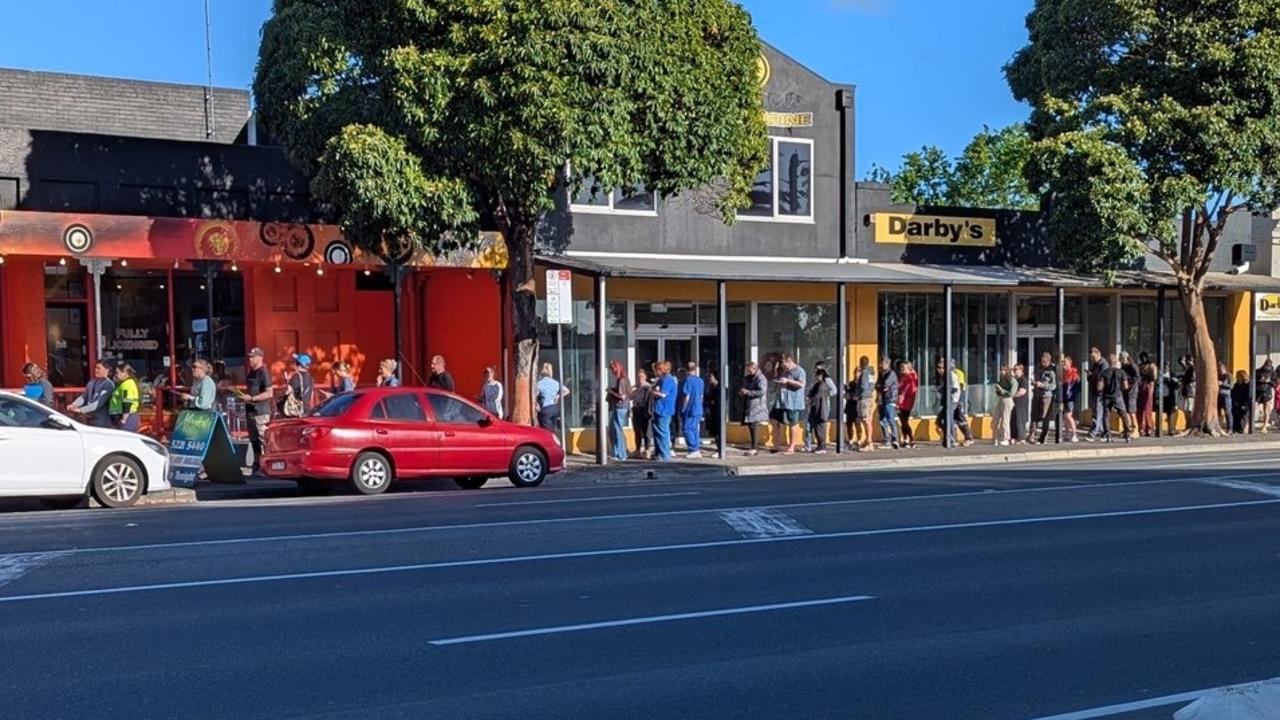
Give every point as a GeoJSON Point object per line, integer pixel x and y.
{"type": "Point", "coordinates": [1252, 362]}
{"type": "Point", "coordinates": [842, 354]}
{"type": "Point", "coordinates": [1062, 341]}
{"type": "Point", "coordinates": [949, 422]}
{"type": "Point", "coordinates": [1160, 385]}
{"type": "Point", "coordinates": [722, 395]}
{"type": "Point", "coordinates": [603, 421]}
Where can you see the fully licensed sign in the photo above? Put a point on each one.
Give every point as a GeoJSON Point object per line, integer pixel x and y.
{"type": "Point", "coordinates": [200, 440]}
{"type": "Point", "coordinates": [907, 229]}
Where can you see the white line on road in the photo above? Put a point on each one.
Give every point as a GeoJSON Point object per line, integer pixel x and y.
{"type": "Point", "coordinates": [586, 499]}
{"type": "Point", "coordinates": [633, 516]}
{"type": "Point", "coordinates": [627, 551]}
{"type": "Point", "coordinates": [649, 620]}
{"type": "Point", "coordinates": [763, 523]}
{"type": "Point", "coordinates": [16, 565]}
{"type": "Point", "coordinates": [1260, 488]}
{"type": "Point", "coordinates": [1149, 703]}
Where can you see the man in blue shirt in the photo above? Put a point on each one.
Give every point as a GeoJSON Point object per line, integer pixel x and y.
{"type": "Point", "coordinates": [691, 401]}
{"type": "Point", "coordinates": [664, 407]}
{"type": "Point", "coordinates": [791, 379]}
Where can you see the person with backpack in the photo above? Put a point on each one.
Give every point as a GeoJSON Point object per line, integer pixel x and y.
{"type": "Point", "coordinates": [298, 388]}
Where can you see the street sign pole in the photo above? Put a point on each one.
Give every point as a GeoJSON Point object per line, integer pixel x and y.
{"type": "Point", "coordinates": [560, 313]}
{"type": "Point", "coordinates": [560, 378]}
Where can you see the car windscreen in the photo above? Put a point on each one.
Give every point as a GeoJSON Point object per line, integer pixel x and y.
{"type": "Point", "coordinates": [335, 406]}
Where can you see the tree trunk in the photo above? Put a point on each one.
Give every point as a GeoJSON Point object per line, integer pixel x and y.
{"type": "Point", "coordinates": [524, 317]}
{"type": "Point", "coordinates": [1204, 418]}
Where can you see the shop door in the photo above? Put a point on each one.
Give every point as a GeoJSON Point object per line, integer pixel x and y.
{"type": "Point", "coordinates": [68, 338]}
{"type": "Point", "coordinates": [677, 350]}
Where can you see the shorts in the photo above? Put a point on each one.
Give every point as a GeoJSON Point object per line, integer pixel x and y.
{"type": "Point", "coordinates": [866, 408]}
{"type": "Point", "coordinates": [791, 417]}
{"type": "Point", "coordinates": [777, 415]}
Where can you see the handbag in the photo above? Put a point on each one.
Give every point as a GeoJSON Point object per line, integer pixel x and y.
{"type": "Point", "coordinates": [293, 406]}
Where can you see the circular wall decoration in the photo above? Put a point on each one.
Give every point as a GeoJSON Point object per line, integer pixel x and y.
{"type": "Point", "coordinates": [78, 238]}
{"type": "Point", "coordinates": [295, 240]}
{"type": "Point", "coordinates": [763, 70]}
{"type": "Point", "coordinates": [337, 253]}
{"type": "Point", "coordinates": [216, 239]}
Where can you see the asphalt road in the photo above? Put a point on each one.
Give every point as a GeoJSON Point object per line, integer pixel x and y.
{"type": "Point", "coordinates": [1012, 592]}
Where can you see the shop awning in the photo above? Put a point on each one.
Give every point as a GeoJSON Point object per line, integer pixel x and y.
{"type": "Point", "coordinates": [772, 270]}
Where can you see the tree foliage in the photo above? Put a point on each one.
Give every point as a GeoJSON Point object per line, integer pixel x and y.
{"type": "Point", "coordinates": [988, 173]}
{"type": "Point", "coordinates": [1146, 111]}
{"type": "Point", "coordinates": [422, 120]}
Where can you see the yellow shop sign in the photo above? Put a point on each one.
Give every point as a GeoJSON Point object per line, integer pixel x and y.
{"type": "Point", "coordinates": [1268, 307]}
{"type": "Point", "coordinates": [906, 229]}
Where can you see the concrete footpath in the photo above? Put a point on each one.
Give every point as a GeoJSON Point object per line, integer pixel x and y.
{"type": "Point", "coordinates": [583, 471]}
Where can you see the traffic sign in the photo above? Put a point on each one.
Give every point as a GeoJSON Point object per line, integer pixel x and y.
{"type": "Point", "coordinates": [559, 297]}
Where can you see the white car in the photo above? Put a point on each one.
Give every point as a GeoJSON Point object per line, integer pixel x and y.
{"type": "Point", "coordinates": [44, 453]}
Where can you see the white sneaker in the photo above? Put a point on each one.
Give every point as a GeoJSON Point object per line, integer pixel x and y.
{"type": "Point", "coordinates": [694, 455]}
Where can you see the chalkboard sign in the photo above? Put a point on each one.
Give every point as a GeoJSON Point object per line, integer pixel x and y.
{"type": "Point", "coordinates": [200, 439]}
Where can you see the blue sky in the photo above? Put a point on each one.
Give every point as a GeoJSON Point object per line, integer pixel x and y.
{"type": "Point", "coordinates": [927, 71]}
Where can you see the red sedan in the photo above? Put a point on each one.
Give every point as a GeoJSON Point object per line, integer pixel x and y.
{"type": "Point", "coordinates": [376, 435]}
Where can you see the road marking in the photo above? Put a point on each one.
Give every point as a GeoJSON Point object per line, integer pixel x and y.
{"type": "Point", "coordinates": [630, 516]}
{"type": "Point", "coordinates": [626, 551]}
{"type": "Point", "coordinates": [1261, 488]}
{"type": "Point", "coordinates": [763, 523]}
{"type": "Point", "coordinates": [1156, 702]}
{"type": "Point", "coordinates": [648, 620]}
{"type": "Point", "coordinates": [16, 565]}
{"type": "Point", "coordinates": [586, 499]}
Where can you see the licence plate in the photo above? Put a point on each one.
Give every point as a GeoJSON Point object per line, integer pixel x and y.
{"type": "Point", "coordinates": [277, 465]}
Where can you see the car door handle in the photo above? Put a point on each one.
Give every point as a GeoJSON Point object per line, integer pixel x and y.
{"type": "Point", "coordinates": [380, 431]}
{"type": "Point", "coordinates": [450, 434]}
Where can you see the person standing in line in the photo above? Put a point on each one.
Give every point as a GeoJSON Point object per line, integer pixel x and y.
{"type": "Point", "coordinates": [1172, 397]}
{"type": "Point", "coordinates": [908, 388]}
{"type": "Point", "coordinates": [664, 407]}
{"type": "Point", "coordinates": [1044, 403]}
{"type": "Point", "coordinates": [887, 389]}
{"type": "Point", "coordinates": [126, 399]}
{"type": "Point", "coordinates": [387, 374]}
{"type": "Point", "coordinates": [1188, 389]}
{"type": "Point", "coordinates": [550, 394]}
{"type": "Point", "coordinates": [492, 396]}
{"type": "Point", "coordinates": [1021, 387]}
{"type": "Point", "coordinates": [298, 387]}
{"type": "Point", "coordinates": [618, 398]}
{"type": "Point", "coordinates": [692, 401]}
{"type": "Point", "coordinates": [831, 388]}
{"type": "Point", "coordinates": [755, 409]}
{"type": "Point", "coordinates": [1070, 398]}
{"type": "Point", "coordinates": [257, 403]}
{"type": "Point", "coordinates": [1147, 378]}
{"type": "Point", "coordinates": [93, 404]}
{"type": "Point", "coordinates": [341, 380]}
{"type": "Point", "coordinates": [792, 383]}
{"type": "Point", "coordinates": [440, 377]}
{"type": "Point", "coordinates": [642, 414]}
{"type": "Point", "coordinates": [1241, 403]}
{"type": "Point", "coordinates": [1132, 383]}
{"type": "Point", "coordinates": [680, 373]}
{"type": "Point", "coordinates": [819, 397]}
{"type": "Point", "coordinates": [1097, 366]}
{"type": "Point", "coordinates": [1004, 388]}
{"type": "Point", "coordinates": [1225, 414]}
{"type": "Point", "coordinates": [1266, 382]}
{"type": "Point", "coordinates": [204, 391]}
{"type": "Point", "coordinates": [866, 410]}
{"type": "Point", "coordinates": [959, 418]}
{"type": "Point", "coordinates": [1113, 394]}
{"type": "Point", "coordinates": [38, 387]}
{"type": "Point", "coordinates": [712, 407]}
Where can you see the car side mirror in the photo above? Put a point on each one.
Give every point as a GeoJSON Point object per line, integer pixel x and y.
{"type": "Point", "coordinates": [54, 422]}
{"type": "Point", "coordinates": [486, 421]}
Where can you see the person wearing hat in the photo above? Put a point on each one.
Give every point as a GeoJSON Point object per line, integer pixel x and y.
{"type": "Point", "coordinates": [298, 388]}
{"type": "Point", "coordinates": [257, 402]}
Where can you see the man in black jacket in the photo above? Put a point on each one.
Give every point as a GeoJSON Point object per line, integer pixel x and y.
{"type": "Point", "coordinates": [1044, 399]}
{"type": "Point", "coordinates": [1113, 399]}
{"type": "Point", "coordinates": [1098, 367]}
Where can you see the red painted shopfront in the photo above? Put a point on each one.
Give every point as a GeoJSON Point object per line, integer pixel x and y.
{"type": "Point", "coordinates": [287, 288]}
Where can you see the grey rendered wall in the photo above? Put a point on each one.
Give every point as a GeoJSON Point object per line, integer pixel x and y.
{"type": "Point", "coordinates": [77, 103]}
{"type": "Point", "coordinates": [690, 223]}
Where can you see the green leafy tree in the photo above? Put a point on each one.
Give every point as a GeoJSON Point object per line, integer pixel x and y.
{"type": "Point", "coordinates": [1144, 112]}
{"type": "Point", "coordinates": [988, 173]}
{"type": "Point", "coordinates": [422, 121]}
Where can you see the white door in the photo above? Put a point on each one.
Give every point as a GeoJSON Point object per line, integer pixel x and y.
{"type": "Point", "coordinates": [37, 459]}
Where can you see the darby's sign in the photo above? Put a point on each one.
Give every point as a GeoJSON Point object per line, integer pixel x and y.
{"type": "Point", "coordinates": [904, 229]}
{"type": "Point", "coordinates": [1267, 307]}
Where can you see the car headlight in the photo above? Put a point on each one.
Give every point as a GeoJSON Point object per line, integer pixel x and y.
{"type": "Point", "coordinates": [156, 447]}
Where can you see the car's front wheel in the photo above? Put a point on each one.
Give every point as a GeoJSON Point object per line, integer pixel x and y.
{"type": "Point", "coordinates": [118, 482]}
{"type": "Point", "coordinates": [371, 474]}
{"type": "Point", "coordinates": [528, 467]}
{"type": "Point", "coordinates": [471, 483]}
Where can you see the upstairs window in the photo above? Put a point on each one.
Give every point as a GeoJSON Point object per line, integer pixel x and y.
{"type": "Point", "coordinates": [784, 189]}
{"type": "Point", "coordinates": [634, 200]}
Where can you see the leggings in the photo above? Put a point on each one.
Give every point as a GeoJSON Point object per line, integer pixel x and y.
{"type": "Point", "coordinates": [904, 417]}
{"type": "Point", "coordinates": [754, 430]}
{"type": "Point", "coordinates": [640, 425]}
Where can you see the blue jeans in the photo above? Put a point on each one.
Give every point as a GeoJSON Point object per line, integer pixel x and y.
{"type": "Point", "coordinates": [619, 434]}
{"type": "Point", "coordinates": [692, 426]}
{"type": "Point", "coordinates": [889, 422]}
{"type": "Point", "coordinates": [662, 437]}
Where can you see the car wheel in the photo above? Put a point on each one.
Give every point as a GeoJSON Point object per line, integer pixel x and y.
{"type": "Point", "coordinates": [471, 483]}
{"type": "Point", "coordinates": [371, 474]}
{"type": "Point", "coordinates": [528, 467]}
{"type": "Point", "coordinates": [117, 482]}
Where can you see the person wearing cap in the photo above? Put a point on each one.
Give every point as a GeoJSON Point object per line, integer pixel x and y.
{"type": "Point", "coordinates": [257, 402]}
{"type": "Point", "coordinates": [387, 374]}
{"type": "Point", "coordinates": [300, 384]}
